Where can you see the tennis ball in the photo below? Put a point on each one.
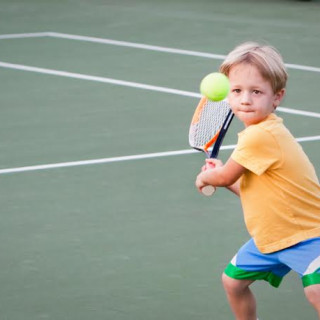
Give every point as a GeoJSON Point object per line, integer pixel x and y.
{"type": "Point", "coordinates": [215, 86]}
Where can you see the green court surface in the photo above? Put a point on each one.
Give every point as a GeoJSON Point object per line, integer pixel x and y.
{"type": "Point", "coordinates": [100, 218]}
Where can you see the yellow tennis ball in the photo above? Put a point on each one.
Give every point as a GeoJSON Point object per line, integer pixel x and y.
{"type": "Point", "coordinates": [215, 86]}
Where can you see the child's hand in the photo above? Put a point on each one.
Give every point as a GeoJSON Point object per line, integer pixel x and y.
{"type": "Point", "coordinates": [211, 164]}
{"type": "Point", "coordinates": [199, 182]}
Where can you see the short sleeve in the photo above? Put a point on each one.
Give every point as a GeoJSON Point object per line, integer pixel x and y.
{"type": "Point", "coordinates": [257, 149]}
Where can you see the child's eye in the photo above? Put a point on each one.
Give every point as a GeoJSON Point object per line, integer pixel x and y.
{"type": "Point", "coordinates": [256, 91]}
{"type": "Point", "coordinates": [236, 90]}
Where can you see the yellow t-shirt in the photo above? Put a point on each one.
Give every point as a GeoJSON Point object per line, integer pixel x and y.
{"type": "Point", "coordinates": [279, 191]}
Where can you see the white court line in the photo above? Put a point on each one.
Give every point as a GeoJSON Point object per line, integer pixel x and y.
{"type": "Point", "coordinates": [24, 35]}
{"type": "Point", "coordinates": [97, 161]}
{"type": "Point", "coordinates": [97, 79]}
{"type": "Point", "coordinates": [120, 159]}
{"type": "Point", "coordinates": [131, 84]}
{"type": "Point", "coordinates": [298, 112]}
{"type": "Point", "coordinates": [138, 46]}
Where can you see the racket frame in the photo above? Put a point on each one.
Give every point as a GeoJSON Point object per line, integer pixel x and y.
{"type": "Point", "coordinates": [221, 135]}
{"type": "Point", "coordinates": [216, 141]}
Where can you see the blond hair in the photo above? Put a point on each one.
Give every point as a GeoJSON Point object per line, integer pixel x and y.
{"type": "Point", "coordinates": [264, 57]}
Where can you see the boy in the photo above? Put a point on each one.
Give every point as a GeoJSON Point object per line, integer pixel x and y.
{"type": "Point", "coordinates": [277, 184]}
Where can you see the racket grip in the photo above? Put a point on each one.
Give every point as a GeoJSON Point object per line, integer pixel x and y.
{"type": "Point", "coordinates": [208, 190]}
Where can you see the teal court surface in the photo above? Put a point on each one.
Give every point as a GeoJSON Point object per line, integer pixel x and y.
{"type": "Point", "coordinates": [100, 218]}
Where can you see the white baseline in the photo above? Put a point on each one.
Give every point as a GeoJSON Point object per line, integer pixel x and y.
{"type": "Point", "coordinates": [123, 158]}
{"type": "Point", "coordinates": [136, 85]}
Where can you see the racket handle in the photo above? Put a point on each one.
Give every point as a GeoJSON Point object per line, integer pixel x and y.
{"type": "Point", "coordinates": [208, 190]}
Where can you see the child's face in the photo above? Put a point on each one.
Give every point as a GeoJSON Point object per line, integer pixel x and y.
{"type": "Point", "coordinates": [251, 96]}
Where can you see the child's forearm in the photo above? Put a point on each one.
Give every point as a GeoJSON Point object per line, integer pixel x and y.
{"type": "Point", "coordinates": [213, 177]}
{"type": "Point", "coordinates": [218, 175]}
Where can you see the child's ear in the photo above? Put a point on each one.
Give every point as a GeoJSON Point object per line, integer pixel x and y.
{"type": "Point", "coordinates": [278, 97]}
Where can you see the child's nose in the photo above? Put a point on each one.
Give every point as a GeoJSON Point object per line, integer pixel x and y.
{"type": "Point", "coordinates": [246, 98]}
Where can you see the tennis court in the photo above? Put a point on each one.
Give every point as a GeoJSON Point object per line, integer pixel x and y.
{"type": "Point", "coordinates": [100, 218]}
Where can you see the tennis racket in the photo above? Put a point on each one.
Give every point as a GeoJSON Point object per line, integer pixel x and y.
{"type": "Point", "coordinates": [208, 128]}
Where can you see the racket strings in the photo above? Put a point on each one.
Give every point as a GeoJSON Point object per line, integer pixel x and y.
{"type": "Point", "coordinates": [210, 118]}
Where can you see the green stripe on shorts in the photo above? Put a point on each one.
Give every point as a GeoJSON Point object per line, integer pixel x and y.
{"type": "Point", "coordinates": [311, 278]}
{"type": "Point", "coordinates": [240, 274]}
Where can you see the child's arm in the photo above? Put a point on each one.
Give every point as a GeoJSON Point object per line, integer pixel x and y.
{"type": "Point", "coordinates": [235, 188]}
{"type": "Point", "coordinates": [219, 175]}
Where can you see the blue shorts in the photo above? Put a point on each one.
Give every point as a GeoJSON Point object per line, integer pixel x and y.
{"type": "Point", "coordinates": [250, 264]}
